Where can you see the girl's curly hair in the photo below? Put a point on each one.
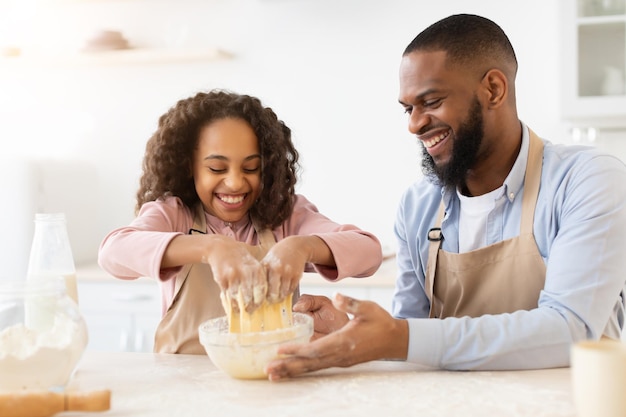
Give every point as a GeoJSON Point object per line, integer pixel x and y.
{"type": "Point", "coordinates": [167, 163]}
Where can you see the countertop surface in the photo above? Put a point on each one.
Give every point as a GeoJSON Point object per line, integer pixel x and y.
{"type": "Point", "coordinates": [147, 384]}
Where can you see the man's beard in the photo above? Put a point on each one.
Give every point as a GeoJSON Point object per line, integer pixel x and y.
{"type": "Point", "coordinates": [465, 149]}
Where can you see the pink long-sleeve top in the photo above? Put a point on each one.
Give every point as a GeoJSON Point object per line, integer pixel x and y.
{"type": "Point", "coordinates": [136, 250]}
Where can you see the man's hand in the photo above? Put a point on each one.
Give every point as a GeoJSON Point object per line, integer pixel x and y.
{"type": "Point", "coordinates": [372, 334]}
{"type": "Point", "coordinates": [326, 318]}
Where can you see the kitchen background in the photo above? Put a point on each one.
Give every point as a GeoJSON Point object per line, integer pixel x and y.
{"type": "Point", "coordinates": [73, 125]}
{"type": "Point", "coordinates": [327, 67]}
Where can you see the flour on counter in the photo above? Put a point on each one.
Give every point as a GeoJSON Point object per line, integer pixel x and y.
{"type": "Point", "coordinates": [40, 360]}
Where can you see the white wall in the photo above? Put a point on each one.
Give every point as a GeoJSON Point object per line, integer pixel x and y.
{"type": "Point", "coordinates": [327, 67]}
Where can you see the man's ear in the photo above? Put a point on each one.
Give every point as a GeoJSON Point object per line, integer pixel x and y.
{"type": "Point", "coordinates": [495, 87]}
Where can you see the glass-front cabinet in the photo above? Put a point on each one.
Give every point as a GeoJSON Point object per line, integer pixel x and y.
{"type": "Point", "coordinates": [594, 62]}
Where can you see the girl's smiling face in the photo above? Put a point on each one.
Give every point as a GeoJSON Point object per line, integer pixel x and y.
{"type": "Point", "coordinates": [227, 168]}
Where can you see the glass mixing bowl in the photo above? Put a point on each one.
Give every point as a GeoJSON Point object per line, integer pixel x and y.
{"type": "Point", "coordinates": [245, 355]}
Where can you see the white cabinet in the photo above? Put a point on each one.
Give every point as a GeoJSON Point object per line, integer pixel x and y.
{"type": "Point", "coordinates": [120, 315]}
{"type": "Point", "coordinates": [593, 41]}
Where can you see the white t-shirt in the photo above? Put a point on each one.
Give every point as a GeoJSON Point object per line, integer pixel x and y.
{"type": "Point", "coordinates": [473, 220]}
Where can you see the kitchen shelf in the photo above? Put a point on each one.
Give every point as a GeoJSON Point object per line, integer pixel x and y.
{"type": "Point", "coordinates": [600, 20]}
{"type": "Point", "coordinates": [594, 62]}
{"type": "Point", "coordinates": [121, 57]}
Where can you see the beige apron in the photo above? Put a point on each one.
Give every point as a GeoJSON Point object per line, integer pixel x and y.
{"type": "Point", "coordinates": [196, 299]}
{"type": "Point", "coordinates": [500, 278]}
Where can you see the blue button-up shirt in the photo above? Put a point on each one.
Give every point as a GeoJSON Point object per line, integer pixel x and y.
{"type": "Point", "coordinates": [580, 230]}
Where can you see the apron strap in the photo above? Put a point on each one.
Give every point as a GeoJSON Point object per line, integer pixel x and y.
{"type": "Point", "coordinates": [265, 242]}
{"type": "Point", "coordinates": [531, 182]}
{"type": "Point", "coordinates": [199, 226]}
{"type": "Point", "coordinates": [435, 238]}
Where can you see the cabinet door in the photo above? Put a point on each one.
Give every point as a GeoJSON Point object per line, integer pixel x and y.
{"type": "Point", "coordinates": [594, 62]}
{"type": "Point", "coordinates": [120, 315]}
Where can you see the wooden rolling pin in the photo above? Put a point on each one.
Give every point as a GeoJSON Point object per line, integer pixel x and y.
{"type": "Point", "coordinates": [48, 403]}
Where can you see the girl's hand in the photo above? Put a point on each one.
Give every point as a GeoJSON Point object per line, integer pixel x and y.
{"type": "Point", "coordinates": [284, 265]}
{"type": "Point", "coordinates": [236, 269]}
{"type": "Point", "coordinates": [286, 260]}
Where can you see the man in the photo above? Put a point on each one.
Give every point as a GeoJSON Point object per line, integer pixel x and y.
{"type": "Point", "coordinates": [510, 249]}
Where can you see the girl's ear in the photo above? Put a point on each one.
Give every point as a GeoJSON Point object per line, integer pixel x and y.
{"type": "Point", "coordinates": [495, 87]}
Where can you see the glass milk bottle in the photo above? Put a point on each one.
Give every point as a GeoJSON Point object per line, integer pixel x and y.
{"type": "Point", "coordinates": [51, 253]}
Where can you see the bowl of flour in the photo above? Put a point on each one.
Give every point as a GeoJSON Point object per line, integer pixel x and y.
{"type": "Point", "coordinates": [42, 335]}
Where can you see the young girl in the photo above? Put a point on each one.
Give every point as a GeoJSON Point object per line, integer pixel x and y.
{"type": "Point", "coordinates": [217, 211]}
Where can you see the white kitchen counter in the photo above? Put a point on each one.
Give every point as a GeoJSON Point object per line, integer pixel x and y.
{"type": "Point", "coordinates": [153, 385]}
{"type": "Point", "coordinates": [385, 276]}
{"type": "Point", "coordinates": [123, 314]}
